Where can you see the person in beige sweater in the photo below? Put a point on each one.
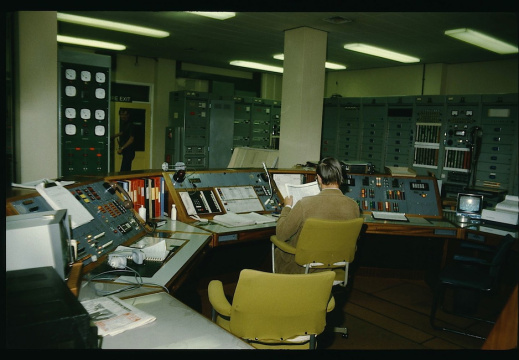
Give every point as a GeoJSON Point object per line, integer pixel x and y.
{"type": "Point", "coordinates": [329, 204]}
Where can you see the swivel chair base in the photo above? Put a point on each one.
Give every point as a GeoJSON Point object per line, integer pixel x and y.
{"type": "Point", "coordinates": [341, 330]}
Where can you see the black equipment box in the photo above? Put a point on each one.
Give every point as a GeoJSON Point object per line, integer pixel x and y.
{"type": "Point", "coordinates": [42, 313]}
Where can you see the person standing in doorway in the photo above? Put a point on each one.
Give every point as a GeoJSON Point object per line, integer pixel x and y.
{"type": "Point", "coordinates": [126, 140]}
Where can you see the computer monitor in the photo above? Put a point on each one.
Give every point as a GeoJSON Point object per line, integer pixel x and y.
{"type": "Point", "coordinates": [469, 206]}
{"type": "Point", "coordinates": [38, 240]}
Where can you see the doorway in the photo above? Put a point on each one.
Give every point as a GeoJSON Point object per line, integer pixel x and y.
{"type": "Point", "coordinates": [140, 115]}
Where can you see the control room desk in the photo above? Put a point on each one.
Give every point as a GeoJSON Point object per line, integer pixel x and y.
{"type": "Point", "coordinates": [446, 230]}
{"type": "Point", "coordinates": [177, 326]}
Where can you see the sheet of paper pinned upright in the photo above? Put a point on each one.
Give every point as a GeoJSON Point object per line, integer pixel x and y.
{"type": "Point", "coordinates": [59, 198]}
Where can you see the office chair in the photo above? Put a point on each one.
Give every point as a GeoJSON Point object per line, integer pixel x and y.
{"type": "Point", "coordinates": [325, 244]}
{"type": "Point", "coordinates": [275, 311]}
{"type": "Point", "coordinates": [470, 276]}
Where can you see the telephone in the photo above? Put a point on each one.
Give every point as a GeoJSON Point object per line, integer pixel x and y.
{"type": "Point", "coordinates": [188, 203]}
{"type": "Point", "coordinates": [202, 201]}
{"type": "Point", "coordinates": [112, 186]}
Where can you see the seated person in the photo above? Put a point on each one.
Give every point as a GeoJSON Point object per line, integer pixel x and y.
{"type": "Point", "coordinates": [330, 204]}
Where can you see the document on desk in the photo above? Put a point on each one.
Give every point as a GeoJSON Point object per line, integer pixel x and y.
{"type": "Point", "coordinates": [113, 316]}
{"type": "Point", "coordinates": [382, 215]}
{"type": "Point", "coordinates": [300, 191]}
{"type": "Point", "coordinates": [233, 220]}
{"type": "Point", "coordinates": [59, 198]}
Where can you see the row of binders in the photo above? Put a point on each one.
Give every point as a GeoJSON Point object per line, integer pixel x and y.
{"type": "Point", "coordinates": [426, 156]}
{"type": "Point", "coordinates": [148, 192]}
{"type": "Point", "coordinates": [457, 159]}
{"type": "Point", "coordinates": [428, 133]}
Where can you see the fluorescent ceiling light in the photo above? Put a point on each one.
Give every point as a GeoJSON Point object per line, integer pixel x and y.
{"type": "Point", "coordinates": [327, 65]}
{"type": "Point", "coordinates": [255, 65]}
{"type": "Point", "coordinates": [214, 14]}
{"type": "Point", "coordinates": [111, 25]}
{"type": "Point", "coordinates": [375, 51]}
{"type": "Point", "coordinates": [482, 40]}
{"type": "Point", "coordinates": [91, 43]}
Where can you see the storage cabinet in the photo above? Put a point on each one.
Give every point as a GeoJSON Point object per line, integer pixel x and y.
{"type": "Point", "coordinates": [465, 140]}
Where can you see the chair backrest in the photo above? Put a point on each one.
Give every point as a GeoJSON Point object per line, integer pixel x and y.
{"type": "Point", "coordinates": [271, 307]}
{"type": "Point", "coordinates": [328, 241]}
{"type": "Point", "coordinates": [500, 255]}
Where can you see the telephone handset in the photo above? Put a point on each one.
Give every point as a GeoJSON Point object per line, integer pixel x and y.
{"type": "Point", "coordinates": [112, 186]}
{"type": "Point", "coordinates": [188, 203]}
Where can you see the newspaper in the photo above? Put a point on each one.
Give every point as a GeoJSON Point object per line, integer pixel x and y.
{"type": "Point", "coordinates": [113, 316]}
{"type": "Point", "coordinates": [300, 191]}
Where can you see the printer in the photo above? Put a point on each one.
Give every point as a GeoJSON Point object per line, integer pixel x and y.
{"type": "Point", "coordinates": [505, 212]}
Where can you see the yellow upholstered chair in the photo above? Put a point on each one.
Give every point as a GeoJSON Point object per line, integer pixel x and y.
{"type": "Point", "coordinates": [324, 244]}
{"type": "Point", "coordinates": [275, 311]}
{"type": "Point", "coordinates": [328, 244]}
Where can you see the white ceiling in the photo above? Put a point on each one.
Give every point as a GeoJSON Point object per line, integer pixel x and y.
{"type": "Point", "coordinates": [257, 36]}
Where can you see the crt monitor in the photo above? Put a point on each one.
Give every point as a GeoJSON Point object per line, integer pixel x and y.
{"type": "Point", "coordinates": [37, 240]}
{"type": "Point", "coordinates": [469, 205]}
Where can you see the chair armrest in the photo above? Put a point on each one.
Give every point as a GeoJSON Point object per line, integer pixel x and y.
{"type": "Point", "coordinates": [217, 298]}
{"type": "Point", "coordinates": [283, 245]}
{"type": "Point", "coordinates": [331, 304]}
{"type": "Point", "coordinates": [471, 260]}
{"type": "Point", "coordinates": [481, 247]}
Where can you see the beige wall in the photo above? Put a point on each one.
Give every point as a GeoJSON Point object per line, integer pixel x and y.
{"type": "Point", "coordinates": [439, 79]}
{"type": "Point", "coordinates": [498, 77]}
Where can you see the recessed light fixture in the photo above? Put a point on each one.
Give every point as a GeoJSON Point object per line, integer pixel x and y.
{"type": "Point", "coordinates": [482, 40]}
{"type": "Point", "coordinates": [375, 51]}
{"type": "Point", "coordinates": [90, 43]}
{"type": "Point", "coordinates": [328, 65]}
{"type": "Point", "coordinates": [219, 15]}
{"type": "Point", "coordinates": [112, 25]}
{"type": "Point", "coordinates": [255, 65]}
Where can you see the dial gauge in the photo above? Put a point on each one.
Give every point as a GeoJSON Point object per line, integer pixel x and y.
{"type": "Point", "coordinates": [70, 90]}
{"type": "Point", "coordinates": [70, 129]}
{"type": "Point", "coordinates": [70, 74]}
{"type": "Point", "coordinates": [85, 114]}
{"type": "Point", "coordinates": [99, 130]}
{"type": "Point", "coordinates": [86, 75]}
{"type": "Point", "coordinates": [100, 77]}
{"type": "Point", "coordinates": [100, 114]}
{"type": "Point", "coordinates": [100, 93]}
{"type": "Point", "coordinates": [70, 113]}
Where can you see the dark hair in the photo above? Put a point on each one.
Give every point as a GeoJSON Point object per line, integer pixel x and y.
{"type": "Point", "coordinates": [330, 171]}
{"type": "Point", "coordinates": [124, 110]}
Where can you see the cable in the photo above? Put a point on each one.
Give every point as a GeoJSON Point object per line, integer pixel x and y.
{"type": "Point", "coordinates": [270, 185]}
{"type": "Point", "coordinates": [136, 285]}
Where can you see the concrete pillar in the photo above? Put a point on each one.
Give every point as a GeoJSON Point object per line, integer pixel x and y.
{"type": "Point", "coordinates": [302, 96]}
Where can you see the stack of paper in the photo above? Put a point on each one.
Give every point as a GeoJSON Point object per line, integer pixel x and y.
{"type": "Point", "coordinates": [233, 220]}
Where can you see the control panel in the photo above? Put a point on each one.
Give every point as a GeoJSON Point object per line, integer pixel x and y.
{"type": "Point", "coordinates": [84, 113]}
{"type": "Point", "coordinates": [207, 193]}
{"type": "Point", "coordinates": [114, 223]}
{"type": "Point", "coordinates": [414, 196]}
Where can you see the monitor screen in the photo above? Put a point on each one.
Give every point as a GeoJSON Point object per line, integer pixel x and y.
{"type": "Point", "coordinates": [469, 204]}
{"type": "Point", "coordinates": [37, 240]}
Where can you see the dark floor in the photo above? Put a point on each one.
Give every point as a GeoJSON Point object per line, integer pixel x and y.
{"type": "Point", "coordinates": [381, 313]}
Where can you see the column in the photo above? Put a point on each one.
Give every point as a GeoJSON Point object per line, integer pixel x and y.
{"type": "Point", "coordinates": [302, 96]}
